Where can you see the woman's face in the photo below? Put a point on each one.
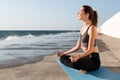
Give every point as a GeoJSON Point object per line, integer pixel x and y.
{"type": "Point", "coordinates": [81, 14]}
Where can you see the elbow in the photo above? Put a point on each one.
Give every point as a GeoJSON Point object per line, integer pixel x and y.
{"type": "Point", "coordinates": [77, 48]}
{"type": "Point", "coordinates": [89, 51]}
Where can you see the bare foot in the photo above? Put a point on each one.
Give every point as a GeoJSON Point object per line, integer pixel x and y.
{"type": "Point", "coordinates": [83, 71]}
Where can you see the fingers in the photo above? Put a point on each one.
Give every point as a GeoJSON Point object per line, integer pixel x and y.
{"type": "Point", "coordinates": [59, 54]}
{"type": "Point", "coordinates": [74, 58]}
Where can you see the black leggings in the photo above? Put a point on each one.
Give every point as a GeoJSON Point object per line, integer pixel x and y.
{"type": "Point", "coordinates": [89, 63]}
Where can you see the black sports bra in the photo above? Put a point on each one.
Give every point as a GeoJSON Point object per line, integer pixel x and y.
{"type": "Point", "coordinates": [85, 38]}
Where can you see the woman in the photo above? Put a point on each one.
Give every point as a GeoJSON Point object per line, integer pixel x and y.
{"type": "Point", "coordinates": [88, 60]}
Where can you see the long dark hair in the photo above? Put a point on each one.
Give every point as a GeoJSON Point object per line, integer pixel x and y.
{"type": "Point", "coordinates": [93, 16]}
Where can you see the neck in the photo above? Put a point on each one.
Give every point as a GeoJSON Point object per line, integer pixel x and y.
{"type": "Point", "coordinates": [86, 23]}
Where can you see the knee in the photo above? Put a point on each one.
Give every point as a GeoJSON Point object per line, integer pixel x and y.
{"type": "Point", "coordinates": [64, 58]}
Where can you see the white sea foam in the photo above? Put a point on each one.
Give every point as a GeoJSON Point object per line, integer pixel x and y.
{"type": "Point", "coordinates": [14, 47]}
{"type": "Point", "coordinates": [31, 41]}
{"type": "Point", "coordinates": [12, 37]}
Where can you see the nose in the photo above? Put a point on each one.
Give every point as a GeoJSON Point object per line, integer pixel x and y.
{"type": "Point", "coordinates": [78, 13]}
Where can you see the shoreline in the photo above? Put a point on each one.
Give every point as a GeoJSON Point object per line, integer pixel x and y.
{"type": "Point", "coordinates": [20, 61]}
{"type": "Point", "coordinates": [34, 59]}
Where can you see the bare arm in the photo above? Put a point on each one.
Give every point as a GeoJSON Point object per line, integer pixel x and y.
{"type": "Point", "coordinates": [77, 47]}
{"type": "Point", "coordinates": [92, 32]}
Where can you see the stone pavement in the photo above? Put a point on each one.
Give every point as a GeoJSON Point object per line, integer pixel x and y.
{"type": "Point", "coordinates": [110, 57]}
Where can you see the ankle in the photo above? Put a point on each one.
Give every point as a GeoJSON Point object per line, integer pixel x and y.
{"type": "Point", "coordinates": [83, 71]}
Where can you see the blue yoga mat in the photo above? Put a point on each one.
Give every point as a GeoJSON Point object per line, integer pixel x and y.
{"type": "Point", "coordinates": [101, 74]}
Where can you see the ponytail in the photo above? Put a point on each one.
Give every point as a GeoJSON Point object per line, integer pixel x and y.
{"type": "Point", "coordinates": [95, 18]}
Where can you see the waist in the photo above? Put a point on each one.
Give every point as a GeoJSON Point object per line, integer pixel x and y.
{"type": "Point", "coordinates": [95, 49]}
{"type": "Point", "coordinates": [95, 53]}
{"type": "Point", "coordinates": [85, 44]}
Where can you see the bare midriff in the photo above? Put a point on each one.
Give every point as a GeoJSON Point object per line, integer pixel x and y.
{"type": "Point", "coordinates": [95, 49]}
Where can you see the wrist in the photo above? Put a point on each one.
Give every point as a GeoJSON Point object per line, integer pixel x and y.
{"type": "Point", "coordinates": [63, 53]}
{"type": "Point", "coordinates": [79, 55]}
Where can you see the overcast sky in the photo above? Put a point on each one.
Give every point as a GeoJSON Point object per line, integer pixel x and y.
{"type": "Point", "coordinates": [51, 14]}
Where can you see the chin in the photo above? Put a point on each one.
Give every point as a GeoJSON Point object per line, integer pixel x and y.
{"type": "Point", "coordinates": [79, 19]}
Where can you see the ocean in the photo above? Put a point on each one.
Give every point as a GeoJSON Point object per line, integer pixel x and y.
{"type": "Point", "coordinates": [20, 47]}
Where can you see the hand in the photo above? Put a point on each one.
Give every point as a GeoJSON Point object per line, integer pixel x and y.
{"type": "Point", "coordinates": [59, 54]}
{"type": "Point", "coordinates": [74, 58]}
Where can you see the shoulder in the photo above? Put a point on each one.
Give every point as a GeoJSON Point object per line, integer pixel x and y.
{"type": "Point", "coordinates": [92, 30]}
{"type": "Point", "coordinates": [92, 27]}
